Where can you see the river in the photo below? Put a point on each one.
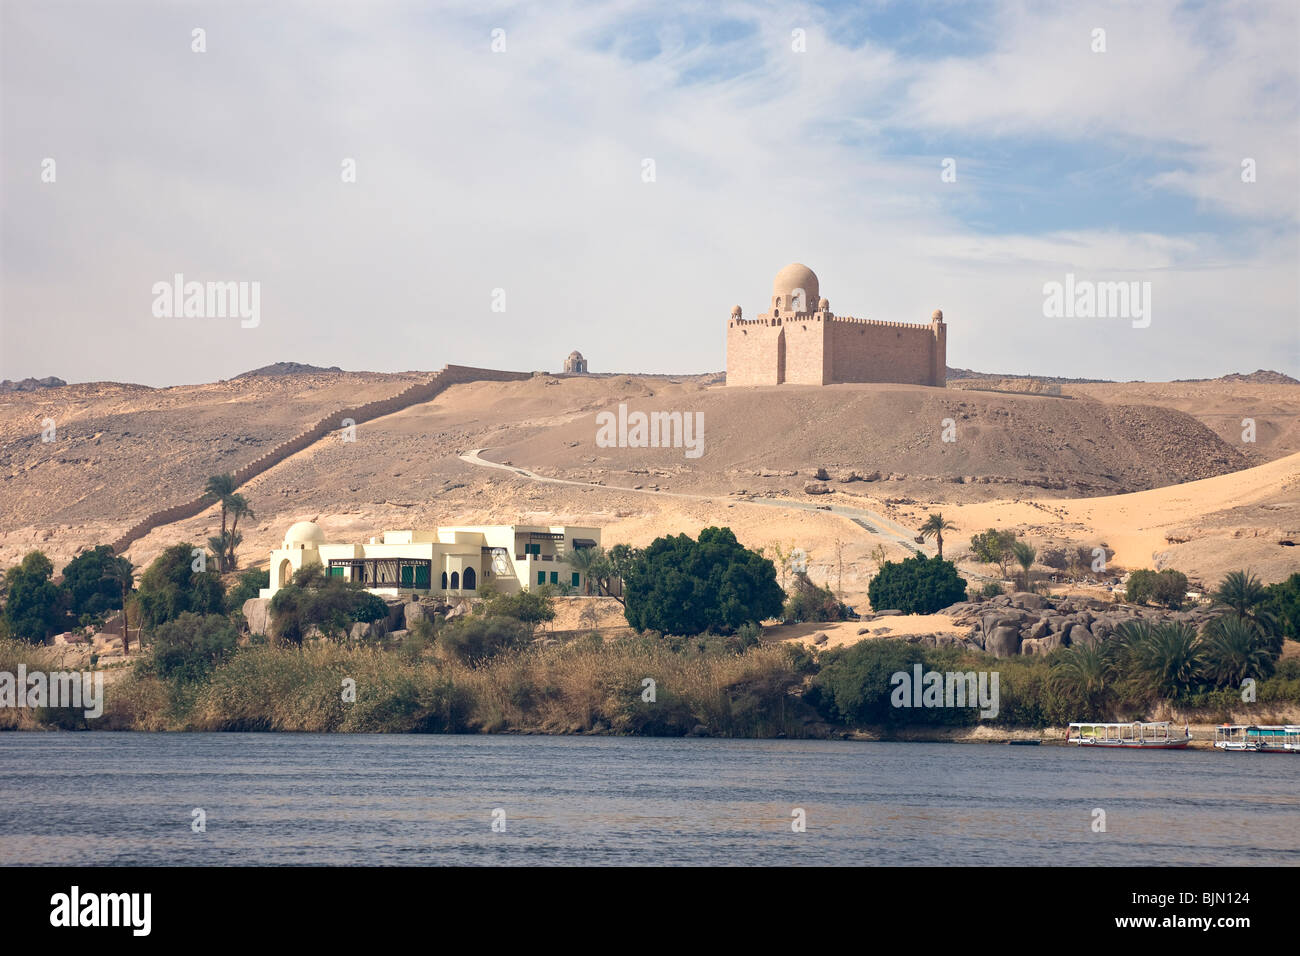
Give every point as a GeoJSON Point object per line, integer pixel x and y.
{"type": "Point", "coordinates": [129, 798]}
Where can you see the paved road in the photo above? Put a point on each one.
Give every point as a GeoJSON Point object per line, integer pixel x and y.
{"type": "Point", "coordinates": [864, 518]}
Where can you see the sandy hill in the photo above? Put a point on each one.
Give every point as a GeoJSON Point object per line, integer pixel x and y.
{"type": "Point", "coordinates": [124, 451]}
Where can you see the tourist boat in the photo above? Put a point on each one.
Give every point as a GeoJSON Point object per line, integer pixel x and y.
{"type": "Point", "coordinates": [1134, 736]}
{"type": "Point", "coordinates": [1259, 738]}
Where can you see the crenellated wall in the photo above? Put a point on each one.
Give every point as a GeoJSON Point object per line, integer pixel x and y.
{"type": "Point", "coordinates": [818, 348]}
{"type": "Point", "coordinates": [411, 395]}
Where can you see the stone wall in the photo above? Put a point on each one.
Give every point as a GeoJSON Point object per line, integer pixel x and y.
{"type": "Point", "coordinates": [865, 351]}
{"type": "Point", "coordinates": [755, 352]}
{"type": "Point", "coordinates": [415, 394]}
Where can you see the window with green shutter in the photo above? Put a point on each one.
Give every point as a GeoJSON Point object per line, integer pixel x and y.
{"type": "Point", "coordinates": [575, 578]}
{"type": "Point", "coordinates": [541, 577]}
{"type": "Point", "coordinates": [555, 577]}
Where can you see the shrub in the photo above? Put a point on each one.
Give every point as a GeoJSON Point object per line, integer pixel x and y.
{"type": "Point", "coordinates": [532, 608]}
{"type": "Point", "coordinates": [855, 685]}
{"type": "Point", "coordinates": [810, 602]}
{"type": "Point", "coordinates": [34, 607]}
{"type": "Point", "coordinates": [470, 639]}
{"type": "Point", "coordinates": [916, 585]}
{"type": "Point", "coordinates": [93, 581]}
{"type": "Point", "coordinates": [186, 649]}
{"type": "Point", "coordinates": [331, 605]}
{"type": "Point", "coordinates": [170, 586]}
{"type": "Point", "coordinates": [681, 586]}
{"type": "Point", "coordinates": [1167, 588]}
{"type": "Point", "coordinates": [1283, 604]}
{"type": "Point", "coordinates": [247, 586]}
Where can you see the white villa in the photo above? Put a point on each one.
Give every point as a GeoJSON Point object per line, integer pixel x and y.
{"type": "Point", "coordinates": [454, 562]}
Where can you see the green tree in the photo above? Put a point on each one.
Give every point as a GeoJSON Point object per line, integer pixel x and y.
{"type": "Point", "coordinates": [993, 547]}
{"type": "Point", "coordinates": [1163, 659]}
{"type": "Point", "coordinates": [93, 582]}
{"type": "Point", "coordinates": [186, 649]}
{"type": "Point", "coordinates": [221, 488]}
{"type": "Point", "coordinates": [328, 604]}
{"type": "Point", "coordinates": [1233, 649]}
{"type": "Point", "coordinates": [916, 585]}
{"type": "Point", "coordinates": [682, 586]}
{"type": "Point", "coordinates": [1283, 604]}
{"type": "Point", "coordinates": [1024, 555]}
{"type": "Point", "coordinates": [170, 586]}
{"type": "Point", "coordinates": [1246, 595]}
{"type": "Point", "coordinates": [1086, 673]}
{"type": "Point", "coordinates": [34, 607]}
{"type": "Point", "coordinates": [238, 507]}
{"type": "Point", "coordinates": [247, 585]}
{"type": "Point", "coordinates": [529, 607]}
{"type": "Point", "coordinates": [934, 527]}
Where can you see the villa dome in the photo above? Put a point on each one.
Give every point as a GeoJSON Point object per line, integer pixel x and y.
{"type": "Point", "coordinates": [304, 533]}
{"type": "Point", "coordinates": [796, 276]}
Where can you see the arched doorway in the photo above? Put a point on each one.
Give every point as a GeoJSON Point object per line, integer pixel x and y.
{"type": "Point", "coordinates": [285, 574]}
{"type": "Point", "coordinates": [469, 579]}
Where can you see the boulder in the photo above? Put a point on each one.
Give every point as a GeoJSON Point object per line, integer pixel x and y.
{"type": "Point", "coordinates": [1078, 634]}
{"type": "Point", "coordinates": [821, 474]}
{"type": "Point", "coordinates": [361, 631]}
{"type": "Point", "coordinates": [257, 612]}
{"type": "Point", "coordinates": [1003, 642]}
{"type": "Point", "coordinates": [816, 488]}
{"type": "Point", "coordinates": [1027, 599]}
{"type": "Point", "coordinates": [821, 637]}
{"type": "Point", "coordinates": [414, 611]}
{"type": "Point", "coordinates": [1039, 629]}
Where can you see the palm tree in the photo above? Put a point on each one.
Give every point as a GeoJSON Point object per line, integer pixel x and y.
{"type": "Point", "coordinates": [1167, 659]}
{"type": "Point", "coordinates": [121, 572]}
{"type": "Point", "coordinates": [934, 527]}
{"type": "Point", "coordinates": [1234, 649]}
{"type": "Point", "coordinates": [1246, 595]}
{"type": "Point", "coordinates": [1086, 670]}
{"type": "Point", "coordinates": [221, 487]}
{"type": "Point", "coordinates": [1025, 556]}
{"type": "Point", "coordinates": [584, 561]}
{"type": "Point", "coordinates": [238, 507]}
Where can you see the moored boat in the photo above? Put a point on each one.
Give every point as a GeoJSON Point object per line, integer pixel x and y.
{"type": "Point", "coordinates": [1138, 735]}
{"type": "Point", "coordinates": [1258, 738]}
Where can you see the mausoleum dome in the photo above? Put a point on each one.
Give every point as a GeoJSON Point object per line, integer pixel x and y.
{"type": "Point", "coordinates": [735, 310]}
{"type": "Point", "coordinates": [304, 533]}
{"type": "Point", "coordinates": [796, 276]}
{"type": "Point", "coordinates": [823, 304]}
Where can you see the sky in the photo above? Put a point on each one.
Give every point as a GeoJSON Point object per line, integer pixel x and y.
{"type": "Point", "coordinates": [614, 177]}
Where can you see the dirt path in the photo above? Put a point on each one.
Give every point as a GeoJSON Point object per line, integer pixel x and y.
{"type": "Point", "coordinates": [870, 521]}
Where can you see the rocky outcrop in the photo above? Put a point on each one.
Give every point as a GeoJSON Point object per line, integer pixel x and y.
{"type": "Point", "coordinates": [257, 613]}
{"type": "Point", "coordinates": [1025, 623]}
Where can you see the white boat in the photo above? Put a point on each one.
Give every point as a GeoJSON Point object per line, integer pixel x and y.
{"type": "Point", "coordinates": [1258, 738]}
{"type": "Point", "coordinates": [1153, 735]}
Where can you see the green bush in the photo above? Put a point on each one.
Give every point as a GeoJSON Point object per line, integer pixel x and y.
{"type": "Point", "coordinates": [330, 605]}
{"type": "Point", "coordinates": [186, 649]}
{"type": "Point", "coordinates": [530, 607]}
{"type": "Point", "coordinates": [916, 585]}
{"type": "Point", "coordinates": [1283, 604]}
{"type": "Point", "coordinates": [93, 581]}
{"type": "Point", "coordinates": [34, 606]}
{"type": "Point", "coordinates": [809, 602]}
{"type": "Point", "coordinates": [681, 586]}
{"type": "Point", "coordinates": [470, 639]}
{"type": "Point", "coordinates": [855, 685]}
{"type": "Point", "coordinates": [170, 587]}
{"type": "Point", "coordinates": [247, 586]}
{"type": "Point", "coordinates": [1168, 588]}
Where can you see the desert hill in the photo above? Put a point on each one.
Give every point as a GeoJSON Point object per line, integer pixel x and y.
{"type": "Point", "coordinates": [124, 451]}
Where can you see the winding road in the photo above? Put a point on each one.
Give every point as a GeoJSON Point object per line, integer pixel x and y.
{"type": "Point", "coordinates": [865, 518]}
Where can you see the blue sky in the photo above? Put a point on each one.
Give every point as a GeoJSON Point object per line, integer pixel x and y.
{"type": "Point", "coordinates": [522, 170]}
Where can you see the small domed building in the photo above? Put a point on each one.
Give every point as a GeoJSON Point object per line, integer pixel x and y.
{"type": "Point", "coordinates": [801, 342]}
{"type": "Point", "coordinates": [575, 364]}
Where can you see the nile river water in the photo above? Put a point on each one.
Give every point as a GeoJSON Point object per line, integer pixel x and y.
{"type": "Point", "coordinates": [129, 798]}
